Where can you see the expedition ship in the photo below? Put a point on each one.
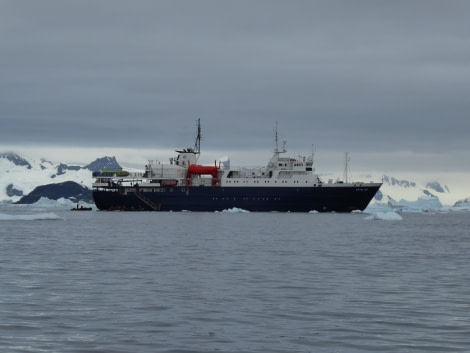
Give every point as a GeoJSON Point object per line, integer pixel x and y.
{"type": "Point", "coordinates": [285, 184]}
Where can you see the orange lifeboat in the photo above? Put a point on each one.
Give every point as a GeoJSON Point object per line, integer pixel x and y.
{"type": "Point", "coordinates": [202, 170]}
{"type": "Point", "coordinates": [196, 169]}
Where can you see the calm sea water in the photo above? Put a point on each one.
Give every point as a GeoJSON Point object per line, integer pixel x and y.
{"type": "Point", "coordinates": [233, 282]}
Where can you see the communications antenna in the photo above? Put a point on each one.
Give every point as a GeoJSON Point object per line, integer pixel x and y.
{"type": "Point", "coordinates": [277, 143]}
{"type": "Point", "coordinates": [346, 167]}
{"type": "Point", "coordinates": [275, 139]}
{"type": "Point", "coordinates": [197, 144]}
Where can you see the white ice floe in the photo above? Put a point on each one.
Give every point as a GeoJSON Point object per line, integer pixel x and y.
{"type": "Point", "coordinates": [29, 217]}
{"type": "Point", "coordinates": [384, 216]}
{"type": "Point", "coordinates": [235, 210]}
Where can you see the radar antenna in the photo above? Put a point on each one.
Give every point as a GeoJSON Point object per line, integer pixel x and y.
{"type": "Point", "coordinates": [197, 144]}
{"type": "Point", "coordinates": [276, 150]}
{"type": "Point", "coordinates": [275, 139]}
{"type": "Point", "coordinates": [346, 168]}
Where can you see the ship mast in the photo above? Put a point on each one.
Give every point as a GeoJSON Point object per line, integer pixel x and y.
{"type": "Point", "coordinates": [276, 140]}
{"type": "Point", "coordinates": [276, 150]}
{"type": "Point", "coordinates": [197, 144]}
{"type": "Point", "coordinates": [346, 167]}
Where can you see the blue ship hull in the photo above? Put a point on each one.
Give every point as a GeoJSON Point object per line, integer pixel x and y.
{"type": "Point", "coordinates": [344, 198]}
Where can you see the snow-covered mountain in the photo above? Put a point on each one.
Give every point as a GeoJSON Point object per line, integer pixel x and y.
{"type": "Point", "coordinates": [19, 177]}
{"type": "Point", "coordinates": [405, 195]}
{"type": "Point", "coordinates": [397, 194]}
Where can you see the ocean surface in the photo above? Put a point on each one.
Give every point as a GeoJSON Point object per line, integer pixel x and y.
{"type": "Point", "coordinates": [233, 282]}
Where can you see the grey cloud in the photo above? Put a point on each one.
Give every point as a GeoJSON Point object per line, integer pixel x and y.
{"type": "Point", "coordinates": [348, 75]}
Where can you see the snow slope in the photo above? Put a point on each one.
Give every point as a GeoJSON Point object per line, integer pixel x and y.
{"type": "Point", "coordinates": [19, 176]}
{"type": "Point", "coordinates": [405, 195]}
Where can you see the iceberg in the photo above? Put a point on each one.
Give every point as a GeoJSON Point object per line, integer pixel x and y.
{"type": "Point", "coordinates": [422, 204]}
{"type": "Point", "coordinates": [45, 202]}
{"type": "Point", "coordinates": [235, 210]}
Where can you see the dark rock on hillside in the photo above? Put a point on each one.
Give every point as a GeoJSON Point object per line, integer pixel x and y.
{"type": "Point", "coordinates": [69, 190]}
{"type": "Point", "coordinates": [427, 193]}
{"type": "Point", "coordinates": [378, 195]}
{"type": "Point", "coordinates": [11, 191]}
{"type": "Point", "coordinates": [45, 164]}
{"type": "Point", "coordinates": [394, 181]}
{"type": "Point", "coordinates": [62, 168]}
{"type": "Point", "coordinates": [15, 159]}
{"type": "Point", "coordinates": [96, 166]}
{"type": "Point", "coordinates": [463, 202]}
{"type": "Point", "coordinates": [103, 163]}
{"type": "Point", "coordinates": [436, 186]}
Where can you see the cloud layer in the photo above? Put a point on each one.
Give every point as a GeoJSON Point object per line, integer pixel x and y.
{"type": "Point", "coordinates": [369, 77]}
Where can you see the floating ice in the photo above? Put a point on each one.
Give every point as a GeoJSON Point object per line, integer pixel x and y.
{"type": "Point", "coordinates": [28, 217]}
{"type": "Point", "coordinates": [385, 216]}
{"type": "Point", "coordinates": [45, 202]}
{"type": "Point", "coordinates": [235, 210]}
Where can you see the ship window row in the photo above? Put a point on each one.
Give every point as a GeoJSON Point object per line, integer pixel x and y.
{"type": "Point", "coordinates": [287, 164]}
{"type": "Point", "coordinates": [145, 190]}
{"type": "Point", "coordinates": [247, 198]}
{"type": "Point", "coordinates": [265, 181]}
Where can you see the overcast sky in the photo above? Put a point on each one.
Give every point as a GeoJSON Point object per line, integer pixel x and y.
{"type": "Point", "coordinates": [387, 81]}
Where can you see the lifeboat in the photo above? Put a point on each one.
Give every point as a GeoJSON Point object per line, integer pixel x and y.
{"type": "Point", "coordinates": [202, 170]}
{"type": "Point", "coordinates": [196, 169]}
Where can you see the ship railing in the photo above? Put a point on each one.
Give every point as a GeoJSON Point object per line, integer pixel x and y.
{"type": "Point", "coordinates": [99, 185]}
{"type": "Point", "coordinates": [135, 175]}
{"type": "Point", "coordinates": [131, 178]}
